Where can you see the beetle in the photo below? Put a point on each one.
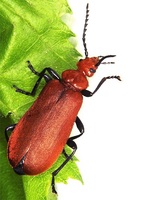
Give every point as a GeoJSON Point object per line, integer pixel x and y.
{"type": "Point", "coordinates": [39, 137]}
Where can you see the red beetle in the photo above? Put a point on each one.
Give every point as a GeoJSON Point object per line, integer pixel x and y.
{"type": "Point", "coordinates": [39, 137]}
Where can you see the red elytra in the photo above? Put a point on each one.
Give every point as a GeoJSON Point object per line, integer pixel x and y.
{"type": "Point", "coordinates": [42, 132]}
{"type": "Point", "coordinates": [39, 137]}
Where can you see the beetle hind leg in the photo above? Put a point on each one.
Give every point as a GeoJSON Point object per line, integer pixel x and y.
{"type": "Point", "coordinates": [72, 145]}
{"type": "Point", "coordinates": [53, 185]}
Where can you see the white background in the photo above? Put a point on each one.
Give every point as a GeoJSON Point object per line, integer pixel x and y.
{"type": "Point", "coordinates": [120, 151]}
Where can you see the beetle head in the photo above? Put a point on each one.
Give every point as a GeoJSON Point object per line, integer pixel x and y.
{"type": "Point", "coordinates": [89, 65]}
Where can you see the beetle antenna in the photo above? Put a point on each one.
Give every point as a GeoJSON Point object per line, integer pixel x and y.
{"type": "Point", "coordinates": [84, 31]}
{"type": "Point", "coordinates": [108, 63]}
{"type": "Point", "coordinates": [104, 57]}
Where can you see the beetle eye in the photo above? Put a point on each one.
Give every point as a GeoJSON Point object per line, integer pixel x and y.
{"type": "Point", "coordinates": [92, 70]}
{"type": "Point", "coordinates": [80, 60]}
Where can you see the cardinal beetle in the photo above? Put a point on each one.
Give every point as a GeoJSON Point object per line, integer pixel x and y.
{"type": "Point", "coordinates": [39, 137]}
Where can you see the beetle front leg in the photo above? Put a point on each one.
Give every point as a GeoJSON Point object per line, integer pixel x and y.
{"type": "Point", "coordinates": [33, 92]}
{"type": "Point", "coordinates": [9, 128]}
{"type": "Point", "coordinates": [87, 93]}
{"type": "Point", "coordinates": [41, 75]}
{"type": "Point", "coordinates": [47, 78]}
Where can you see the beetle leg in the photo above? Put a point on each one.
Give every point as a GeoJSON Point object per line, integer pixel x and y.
{"type": "Point", "coordinates": [53, 185]}
{"type": "Point", "coordinates": [9, 128]}
{"type": "Point", "coordinates": [47, 78]}
{"type": "Point", "coordinates": [32, 93]}
{"type": "Point", "coordinates": [87, 93]}
{"type": "Point", "coordinates": [72, 145]}
{"type": "Point", "coordinates": [80, 127]}
{"type": "Point", "coordinates": [41, 75]}
{"type": "Point", "coordinates": [64, 153]}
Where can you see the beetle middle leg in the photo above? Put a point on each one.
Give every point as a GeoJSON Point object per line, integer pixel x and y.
{"type": "Point", "coordinates": [42, 74]}
{"type": "Point", "coordinates": [80, 127]}
{"type": "Point", "coordinates": [87, 93]}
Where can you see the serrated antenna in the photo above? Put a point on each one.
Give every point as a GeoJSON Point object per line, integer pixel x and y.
{"type": "Point", "coordinates": [84, 31]}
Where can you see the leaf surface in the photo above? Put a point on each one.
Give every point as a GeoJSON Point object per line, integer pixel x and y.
{"type": "Point", "coordinates": [30, 30]}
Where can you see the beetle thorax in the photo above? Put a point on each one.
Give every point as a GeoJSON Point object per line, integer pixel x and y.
{"type": "Point", "coordinates": [75, 79]}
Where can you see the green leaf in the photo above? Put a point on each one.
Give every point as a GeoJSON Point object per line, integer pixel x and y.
{"type": "Point", "coordinates": [11, 186]}
{"type": "Point", "coordinates": [30, 30]}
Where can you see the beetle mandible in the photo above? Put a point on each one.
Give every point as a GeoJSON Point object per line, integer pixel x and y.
{"type": "Point", "coordinates": [39, 137]}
